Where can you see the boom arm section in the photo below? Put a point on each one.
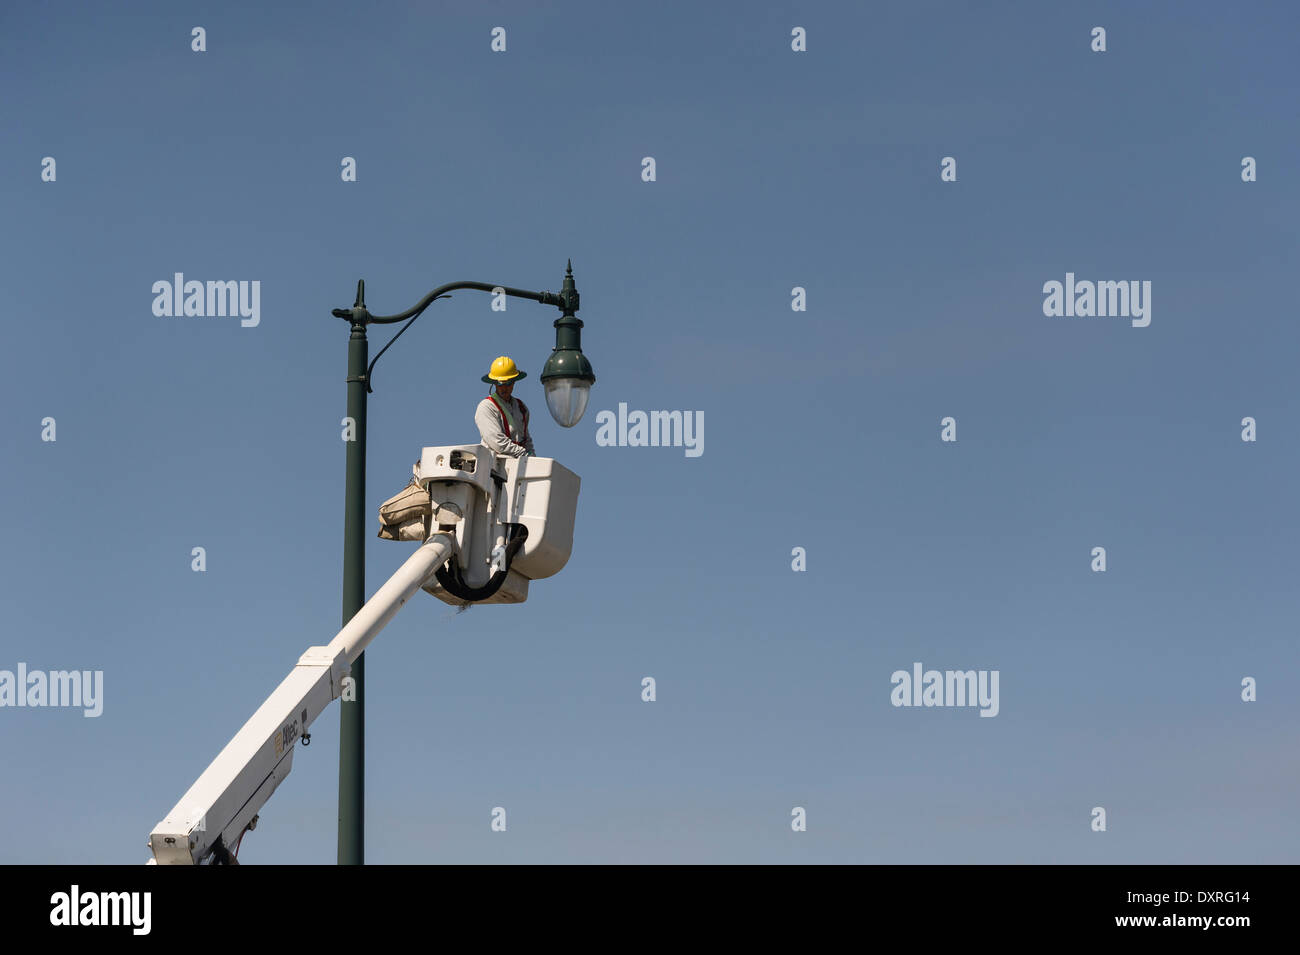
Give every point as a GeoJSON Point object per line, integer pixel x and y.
{"type": "Point", "coordinates": [225, 799]}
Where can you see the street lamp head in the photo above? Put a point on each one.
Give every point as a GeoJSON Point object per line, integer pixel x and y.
{"type": "Point", "coordinates": [567, 376]}
{"type": "Point", "coordinates": [567, 379]}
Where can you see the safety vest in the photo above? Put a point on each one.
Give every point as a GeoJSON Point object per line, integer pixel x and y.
{"type": "Point", "coordinates": [507, 419]}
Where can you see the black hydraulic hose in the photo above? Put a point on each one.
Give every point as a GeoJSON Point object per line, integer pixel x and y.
{"type": "Point", "coordinates": [452, 581]}
{"type": "Point", "coordinates": [221, 855]}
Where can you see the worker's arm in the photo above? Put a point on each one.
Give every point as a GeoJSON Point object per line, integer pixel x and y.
{"type": "Point", "coordinates": [494, 436]}
{"type": "Point", "coordinates": [528, 433]}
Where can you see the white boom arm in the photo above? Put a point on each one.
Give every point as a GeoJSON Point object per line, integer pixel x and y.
{"type": "Point", "coordinates": [231, 791]}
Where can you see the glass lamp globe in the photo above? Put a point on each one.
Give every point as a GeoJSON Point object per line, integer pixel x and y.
{"type": "Point", "coordinates": [567, 399]}
{"type": "Point", "coordinates": [567, 378]}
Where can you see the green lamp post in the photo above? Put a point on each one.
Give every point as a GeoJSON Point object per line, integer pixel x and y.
{"type": "Point", "coordinates": [567, 378]}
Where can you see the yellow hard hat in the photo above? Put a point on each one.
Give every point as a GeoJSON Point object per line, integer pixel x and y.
{"type": "Point", "coordinates": [503, 371]}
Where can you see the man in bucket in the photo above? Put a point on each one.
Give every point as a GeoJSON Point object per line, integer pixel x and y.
{"type": "Point", "coordinates": [502, 419]}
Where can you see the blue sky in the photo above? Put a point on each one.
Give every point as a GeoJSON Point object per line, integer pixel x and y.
{"type": "Point", "coordinates": [775, 169]}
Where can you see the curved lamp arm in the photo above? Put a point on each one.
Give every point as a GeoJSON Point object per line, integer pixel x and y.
{"type": "Point", "coordinates": [359, 314]}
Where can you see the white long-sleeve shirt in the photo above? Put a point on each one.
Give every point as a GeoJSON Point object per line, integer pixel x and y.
{"type": "Point", "coordinates": [493, 430]}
